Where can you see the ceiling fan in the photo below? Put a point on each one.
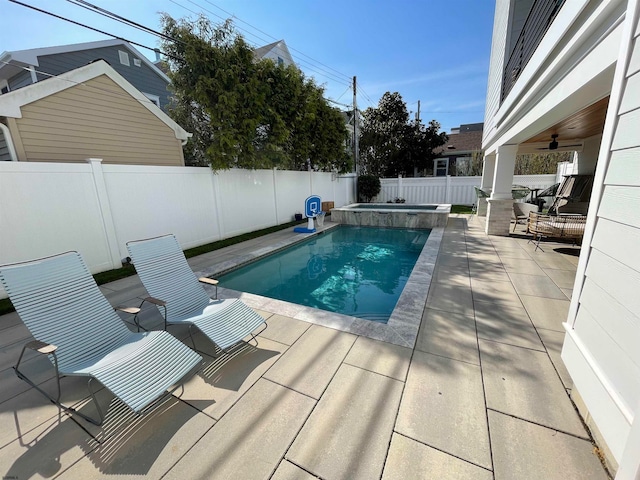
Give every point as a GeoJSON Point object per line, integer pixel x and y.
{"type": "Point", "coordinates": [553, 145]}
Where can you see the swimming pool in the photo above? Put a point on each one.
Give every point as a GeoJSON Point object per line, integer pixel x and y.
{"type": "Point", "coordinates": [355, 271]}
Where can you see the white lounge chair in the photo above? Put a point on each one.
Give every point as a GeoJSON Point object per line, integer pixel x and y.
{"type": "Point", "coordinates": [79, 331]}
{"type": "Point", "coordinates": [181, 299]}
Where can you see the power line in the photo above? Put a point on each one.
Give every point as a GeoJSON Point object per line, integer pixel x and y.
{"type": "Point", "coordinates": [87, 26]}
{"type": "Point", "coordinates": [311, 67]}
{"type": "Point", "coordinates": [347, 77]}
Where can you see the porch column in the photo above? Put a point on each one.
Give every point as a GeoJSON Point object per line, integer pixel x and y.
{"type": "Point", "coordinates": [486, 185]}
{"type": "Point", "coordinates": [500, 204]}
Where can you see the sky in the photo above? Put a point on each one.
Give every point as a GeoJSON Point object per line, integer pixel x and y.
{"type": "Point", "coordinates": [435, 51]}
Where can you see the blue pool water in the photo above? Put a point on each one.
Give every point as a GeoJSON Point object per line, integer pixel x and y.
{"type": "Point", "coordinates": [358, 271]}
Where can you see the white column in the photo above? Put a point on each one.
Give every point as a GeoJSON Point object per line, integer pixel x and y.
{"type": "Point", "coordinates": [500, 203]}
{"type": "Point", "coordinates": [105, 210]}
{"type": "Point", "coordinates": [488, 169]}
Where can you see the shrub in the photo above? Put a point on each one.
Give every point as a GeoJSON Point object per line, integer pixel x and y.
{"type": "Point", "coordinates": [368, 187]}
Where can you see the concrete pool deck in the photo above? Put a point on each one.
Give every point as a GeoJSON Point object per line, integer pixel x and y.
{"type": "Point", "coordinates": [482, 395]}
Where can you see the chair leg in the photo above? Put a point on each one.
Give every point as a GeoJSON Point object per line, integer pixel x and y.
{"type": "Point", "coordinates": [56, 400]}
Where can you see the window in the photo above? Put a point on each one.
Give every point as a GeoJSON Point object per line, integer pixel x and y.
{"type": "Point", "coordinates": [124, 58]}
{"type": "Point", "coordinates": [4, 87]}
{"type": "Point", "coordinates": [137, 62]}
{"type": "Point", "coordinates": [440, 167]}
{"type": "Point", "coordinates": [155, 99]}
{"type": "Point", "coordinates": [280, 61]}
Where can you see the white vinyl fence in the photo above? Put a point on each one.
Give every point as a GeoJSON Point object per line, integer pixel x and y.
{"type": "Point", "coordinates": [454, 190]}
{"type": "Point", "coordinates": [48, 208]}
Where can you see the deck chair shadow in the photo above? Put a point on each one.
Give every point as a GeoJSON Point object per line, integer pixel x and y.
{"type": "Point", "coordinates": [82, 335]}
{"type": "Point", "coordinates": [181, 298]}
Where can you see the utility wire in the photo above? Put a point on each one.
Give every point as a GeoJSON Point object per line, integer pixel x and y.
{"type": "Point", "coordinates": [347, 77]}
{"type": "Point", "coordinates": [88, 27]}
{"type": "Point", "coordinates": [313, 68]}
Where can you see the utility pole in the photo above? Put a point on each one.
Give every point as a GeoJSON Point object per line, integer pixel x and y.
{"type": "Point", "coordinates": [418, 114]}
{"type": "Point", "coordinates": [355, 128]}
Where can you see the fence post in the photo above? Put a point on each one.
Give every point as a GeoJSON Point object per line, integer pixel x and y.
{"type": "Point", "coordinates": [447, 190]}
{"type": "Point", "coordinates": [275, 194]}
{"type": "Point", "coordinates": [217, 198]}
{"type": "Point", "coordinates": [105, 211]}
{"type": "Point", "coordinates": [400, 187]}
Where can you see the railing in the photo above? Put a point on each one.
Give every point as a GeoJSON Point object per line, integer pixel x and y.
{"type": "Point", "coordinates": [540, 17]}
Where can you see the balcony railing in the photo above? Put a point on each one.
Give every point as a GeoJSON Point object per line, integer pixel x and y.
{"type": "Point", "coordinates": [536, 25]}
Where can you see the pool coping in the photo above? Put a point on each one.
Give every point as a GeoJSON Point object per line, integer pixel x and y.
{"type": "Point", "coordinates": [401, 328]}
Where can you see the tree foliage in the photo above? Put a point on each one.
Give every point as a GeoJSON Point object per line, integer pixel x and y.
{"type": "Point", "coordinates": [391, 144]}
{"type": "Point", "coordinates": [368, 186]}
{"type": "Point", "coordinates": [540, 163]}
{"type": "Point", "coordinates": [247, 113]}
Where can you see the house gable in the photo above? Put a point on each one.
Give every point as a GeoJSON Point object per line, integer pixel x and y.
{"type": "Point", "coordinates": [90, 112]}
{"type": "Point", "coordinates": [122, 57]}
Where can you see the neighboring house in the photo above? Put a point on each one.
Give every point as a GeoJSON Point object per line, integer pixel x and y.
{"type": "Point", "coordinates": [276, 51]}
{"type": "Point", "coordinates": [91, 111]}
{"type": "Point", "coordinates": [457, 153]}
{"type": "Point", "coordinates": [572, 70]}
{"type": "Point", "coordinates": [20, 68]}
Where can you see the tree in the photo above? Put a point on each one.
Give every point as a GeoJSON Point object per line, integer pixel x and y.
{"type": "Point", "coordinates": [368, 186]}
{"type": "Point", "coordinates": [247, 113]}
{"type": "Point", "coordinates": [390, 144]}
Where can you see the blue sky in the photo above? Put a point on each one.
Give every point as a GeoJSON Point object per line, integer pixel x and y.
{"type": "Point", "coordinates": [435, 51]}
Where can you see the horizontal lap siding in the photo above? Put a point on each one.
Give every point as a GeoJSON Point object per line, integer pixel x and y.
{"type": "Point", "coordinates": [142, 77]}
{"type": "Point", "coordinates": [96, 119]}
{"type": "Point", "coordinates": [607, 321]}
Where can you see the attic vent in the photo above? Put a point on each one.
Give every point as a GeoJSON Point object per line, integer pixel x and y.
{"type": "Point", "coordinates": [137, 62]}
{"type": "Point", "coordinates": [124, 58]}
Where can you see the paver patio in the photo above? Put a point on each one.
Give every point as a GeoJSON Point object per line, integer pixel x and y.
{"type": "Point", "coordinates": [482, 395]}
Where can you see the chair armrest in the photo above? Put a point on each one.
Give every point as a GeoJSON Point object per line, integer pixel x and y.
{"type": "Point", "coordinates": [207, 280]}
{"type": "Point", "coordinates": [41, 347]}
{"type": "Point", "coordinates": [130, 310]}
{"type": "Point", "coordinates": [156, 301]}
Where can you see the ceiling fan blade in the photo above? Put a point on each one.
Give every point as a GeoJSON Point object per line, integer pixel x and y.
{"type": "Point", "coordinates": [573, 145]}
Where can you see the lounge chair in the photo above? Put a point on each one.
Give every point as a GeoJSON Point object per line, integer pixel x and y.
{"type": "Point", "coordinates": [81, 334]}
{"type": "Point", "coordinates": [521, 212]}
{"type": "Point", "coordinates": [181, 299]}
{"type": "Point", "coordinates": [561, 226]}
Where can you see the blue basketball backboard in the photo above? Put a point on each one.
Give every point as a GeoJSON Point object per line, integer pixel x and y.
{"type": "Point", "coordinates": [312, 206]}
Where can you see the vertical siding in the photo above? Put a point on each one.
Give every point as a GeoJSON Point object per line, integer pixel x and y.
{"type": "Point", "coordinates": [142, 77]}
{"type": "Point", "coordinates": [96, 119]}
{"type": "Point", "coordinates": [608, 316]}
{"type": "Point", "coordinates": [496, 64]}
{"type": "Point", "coordinates": [20, 80]}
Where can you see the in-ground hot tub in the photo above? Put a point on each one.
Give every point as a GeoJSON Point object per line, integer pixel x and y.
{"type": "Point", "coordinates": [398, 215]}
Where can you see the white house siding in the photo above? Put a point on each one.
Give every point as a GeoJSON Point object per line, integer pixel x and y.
{"type": "Point", "coordinates": [496, 64]}
{"type": "Point", "coordinates": [602, 347]}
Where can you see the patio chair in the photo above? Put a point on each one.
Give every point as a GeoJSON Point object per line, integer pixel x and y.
{"type": "Point", "coordinates": [521, 212]}
{"type": "Point", "coordinates": [174, 289]}
{"type": "Point", "coordinates": [82, 335]}
{"type": "Point", "coordinates": [479, 194]}
{"type": "Point", "coordinates": [562, 226]}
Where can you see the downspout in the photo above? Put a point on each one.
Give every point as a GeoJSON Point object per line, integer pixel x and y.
{"type": "Point", "coordinates": [7, 136]}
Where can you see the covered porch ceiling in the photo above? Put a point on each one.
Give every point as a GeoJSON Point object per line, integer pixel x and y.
{"type": "Point", "coordinates": [571, 131]}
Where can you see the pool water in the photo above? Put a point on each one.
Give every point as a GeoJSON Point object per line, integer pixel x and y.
{"type": "Point", "coordinates": [357, 271]}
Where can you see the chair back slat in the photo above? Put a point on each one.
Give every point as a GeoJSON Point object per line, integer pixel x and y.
{"type": "Point", "coordinates": [165, 273]}
{"type": "Point", "coordinates": [60, 303]}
